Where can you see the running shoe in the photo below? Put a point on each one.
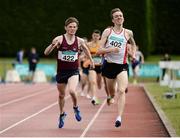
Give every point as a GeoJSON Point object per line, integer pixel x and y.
{"type": "Point", "coordinates": [61, 120]}
{"type": "Point", "coordinates": [95, 102]}
{"type": "Point", "coordinates": [77, 113]}
{"type": "Point", "coordinates": [126, 91]}
{"type": "Point", "coordinates": [117, 123]}
{"type": "Point", "coordinates": [110, 101]}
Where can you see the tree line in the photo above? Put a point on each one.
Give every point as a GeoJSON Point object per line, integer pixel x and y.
{"type": "Point", "coordinates": [26, 24]}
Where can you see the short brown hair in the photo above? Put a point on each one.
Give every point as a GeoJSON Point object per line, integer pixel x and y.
{"type": "Point", "coordinates": [113, 11]}
{"type": "Point", "coordinates": [71, 20]}
{"type": "Point", "coordinates": [97, 31]}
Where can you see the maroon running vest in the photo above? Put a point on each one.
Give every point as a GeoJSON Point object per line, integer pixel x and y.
{"type": "Point", "coordinates": [67, 55]}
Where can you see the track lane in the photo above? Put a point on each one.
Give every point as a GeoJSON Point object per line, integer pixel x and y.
{"type": "Point", "coordinates": [139, 119]}
{"type": "Point", "coordinates": [73, 127]}
{"type": "Point", "coordinates": [12, 113]}
{"type": "Point", "coordinates": [19, 91]}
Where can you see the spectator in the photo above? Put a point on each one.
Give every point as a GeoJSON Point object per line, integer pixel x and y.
{"type": "Point", "coordinates": [165, 58]}
{"type": "Point", "coordinates": [33, 59]}
{"type": "Point", "coordinates": [19, 56]}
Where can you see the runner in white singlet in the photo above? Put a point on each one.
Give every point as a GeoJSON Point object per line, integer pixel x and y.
{"type": "Point", "coordinates": [114, 48]}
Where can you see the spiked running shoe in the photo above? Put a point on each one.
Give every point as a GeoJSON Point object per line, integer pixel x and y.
{"type": "Point", "coordinates": [117, 123]}
{"type": "Point", "coordinates": [77, 113]}
{"type": "Point", "coordinates": [95, 102]}
{"type": "Point", "coordinates": [61, 120]}
{"type": "Point", "coordinates": [110, 101]}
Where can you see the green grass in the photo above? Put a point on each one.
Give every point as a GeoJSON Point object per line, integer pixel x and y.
{"type": "Point", "coordinates": [171, 107]}
{"type": "Point", "coordinates": [143, 79]}
{"type": "Point", "coordinates": [157, 58]}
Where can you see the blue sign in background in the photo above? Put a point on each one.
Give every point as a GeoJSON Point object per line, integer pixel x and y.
{"type": "Point", "coordinates": [146, 70]}
{"type": "Point", "coordinates": [49, 69]}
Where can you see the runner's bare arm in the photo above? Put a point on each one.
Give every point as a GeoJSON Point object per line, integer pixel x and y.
{"type": "Point", "coordinates": [142, 58]}
{"type": "Point", "coordinates": [86, 50]}
{"type": "Point", "coordinates": [132, 42]}
{"type": "Point", "coordinates": [104, 37]}
{"type": "Point", "coordinates": [55, 44]}
{"type": "Point", "coordinates": [129, 49]}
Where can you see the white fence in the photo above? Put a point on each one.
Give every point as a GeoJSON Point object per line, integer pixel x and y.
{"type": "Point", "coordinates": [170, 78]}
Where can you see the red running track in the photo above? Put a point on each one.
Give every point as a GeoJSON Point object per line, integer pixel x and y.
{"type": "Point", "coordinates": [31, 110]}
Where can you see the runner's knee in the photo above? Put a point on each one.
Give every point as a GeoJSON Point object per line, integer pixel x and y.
{"type": "Point", "coordinates": [61, 96]}
{"type": "Point", "coordinates": [71, 92]}
{"type": "Point", "coordinates": [93, 82]}
{"type": "Point", "coordinates": [121, 90]}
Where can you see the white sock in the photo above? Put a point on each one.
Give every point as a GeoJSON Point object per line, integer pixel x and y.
{"type": "Point", "coordinates": [119, 118]}
{"type": "Point", "coordinates": [94, 98]}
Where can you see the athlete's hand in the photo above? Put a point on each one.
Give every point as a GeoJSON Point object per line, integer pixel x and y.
{"type": "Point", "coordinates": [55, 44]}
{"type": "Point", "coordinates": [92, 66]}
{"type": "Point", "coordinates": [133, 60]}
{"type": "Point", "coordinates": [115, 50]}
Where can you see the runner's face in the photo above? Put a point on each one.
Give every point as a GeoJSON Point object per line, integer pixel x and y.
{"type": "Point", "coordinates": [118, 18]}
{"type": "Point", "coordinates": [96, 36]}
{"type": "Point", "coordinates": [71, 28]}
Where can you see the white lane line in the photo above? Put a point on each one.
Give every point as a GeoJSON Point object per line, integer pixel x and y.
{"type": "Point", "coordinates": [93, 119]}
{"type": "Point", "coordinates": [25, 97]}
{"type": "Point", "coordinates": [31, 116]}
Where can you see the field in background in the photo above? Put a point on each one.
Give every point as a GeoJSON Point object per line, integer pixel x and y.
{"type": "Point", "coordinates": [157, 58]}
{"type": "Point", "coordinates": [171, 107]}
{"type": "Point", "coordinates": [6, 64]}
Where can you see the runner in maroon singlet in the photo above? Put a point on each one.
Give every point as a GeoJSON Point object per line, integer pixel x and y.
{"type": "Point", "coordinates": [67, 46]}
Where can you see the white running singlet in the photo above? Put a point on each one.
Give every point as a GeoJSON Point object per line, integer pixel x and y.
{"type": "Point", "coordinates": [117, 40]}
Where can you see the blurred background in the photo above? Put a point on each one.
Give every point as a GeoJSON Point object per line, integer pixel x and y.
{"type": "Point", "coordinates": [25, 24]}
{"type": "Point", "coordinates": [155, 23]}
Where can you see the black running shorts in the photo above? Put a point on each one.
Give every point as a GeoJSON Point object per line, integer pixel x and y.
{"type": "Point", "coordinates": [64, 75]}
{"type": "Point", "coordinates": [111, 70]}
